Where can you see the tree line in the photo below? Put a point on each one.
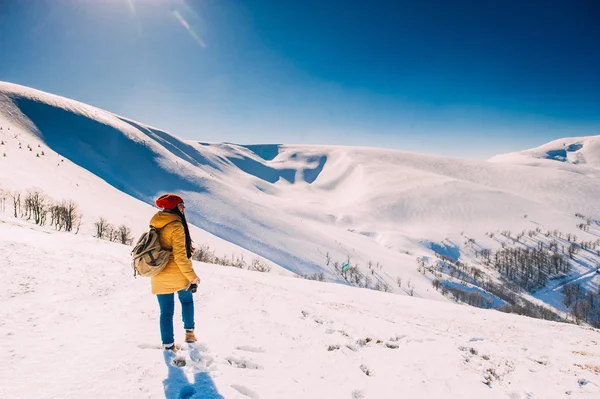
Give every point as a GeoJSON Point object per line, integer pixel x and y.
{"type": "Point", "coordinates": [35, 206]}
{"type": "Point", "coordinates": [509, 292]}
{"type": "Point", "coordinates": [354, 275]}
{"type": "Point", "coordinates": [584, 306]}
{"type": "Point", "coordinates": [205, 254]}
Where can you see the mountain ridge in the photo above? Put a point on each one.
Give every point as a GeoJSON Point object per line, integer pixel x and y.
{"type": "Point", "coordinates": [294, 204]}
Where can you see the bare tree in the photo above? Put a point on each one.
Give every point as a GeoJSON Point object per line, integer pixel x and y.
{"type": "Point", "coordinates": [102, 226]}
{"type": "Point", "coordinates": [36, 206]}
{"type": "Point", "coordinates": [124, 235]}
{"type": "Point", "coordinates": [314, 276]}
{"type": "Point", "coordinates": [16, 200]}
{"type": "Point", "coordinates": [203, 254]}
{"type": "Point", "coordinates": [259, 266]}
{"type": "Point", "coordinates": [573, 248]}
{"type": "Point", "coordinates": [112, 234]}
{"type": "Point", "coordinates": [70, 215]}
{"type": "Point", "coordinates": [381, 285]}
{"type": "Point", "coordinates": [385, 287]}
{"type": "Point", "coordinates": [3, 196]}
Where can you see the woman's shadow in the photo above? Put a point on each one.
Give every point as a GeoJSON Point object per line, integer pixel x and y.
{"type": "Point", "coordinates": [177, 385]}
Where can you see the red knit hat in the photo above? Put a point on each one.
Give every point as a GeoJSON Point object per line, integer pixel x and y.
{"type": "Point", "coordinates": [168, 201]}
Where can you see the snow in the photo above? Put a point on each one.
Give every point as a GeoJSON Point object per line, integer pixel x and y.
{"type": "Point", "coordinates": [60, 178]}
{"type": "Point", "coordinates": [471, 288]}
{"type": "Point", "coordinates": [292, 204]}
{"type": "Point", "coordinates": [75, 323]}
{"type": "Point", "coordinates": [552, 294]}
{"type": "Point", "coordinates": [572, 151]}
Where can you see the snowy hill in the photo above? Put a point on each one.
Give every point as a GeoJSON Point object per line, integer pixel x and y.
{"type": "Point", "coordinates": [75, 324]}
{"type": "Point", "coordinates": [294, 204]}
{"type": "Point", "coordinates": [571, 150]}
{"type": "Point", "coordinates": [28, 163]}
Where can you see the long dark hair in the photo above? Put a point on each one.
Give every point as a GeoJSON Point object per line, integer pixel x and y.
{"type": "Point", "coordinates": [188, 238]}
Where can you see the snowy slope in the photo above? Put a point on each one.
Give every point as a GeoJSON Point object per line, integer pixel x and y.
{"type": "Point", "coordinates": [61, 179]}
{"type": "Point", "coordinates": [74, 323]}
{"type": "Point", "coordinates": [291, 204]}
{"type": "Point", "coordinates": [571, 150]}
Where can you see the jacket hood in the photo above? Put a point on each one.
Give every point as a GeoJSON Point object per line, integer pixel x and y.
{"type": "Point", "coordinates": [161, 218]}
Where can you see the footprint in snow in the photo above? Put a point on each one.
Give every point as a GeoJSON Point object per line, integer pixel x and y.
{"type": "Point", "coordinates": [149, 346]}
{"type": "Point", "coordinates": [316, 319]}
{"type": "Point", "coordinates": [366, 370]}
{"type": "Point", "coordinates": [242, 363]}
{"type": "Point", "coordinates": [353, 348]}
{"type": "Point", "coordinates": [179, 361]}
{"type": "Point", "coordinates": [331, 331]}
{"type": "Point", "coordinates": [358, 394]}
{"type": "Point", "coordinates": [201, 359]}
{"type": "Point", "coordinates": [251, 349]}
{"type": "Point", "coordinates": [245, 391]}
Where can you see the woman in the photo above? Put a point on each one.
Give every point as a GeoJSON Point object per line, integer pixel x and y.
{"type": "Point", "coordinates": [179, 273]}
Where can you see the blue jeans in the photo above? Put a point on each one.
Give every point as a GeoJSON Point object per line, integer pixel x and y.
{"type": "Point", "coordinates": [167, 308]}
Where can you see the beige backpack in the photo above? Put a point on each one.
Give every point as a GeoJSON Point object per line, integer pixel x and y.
{"type": "Point", "coordinates": [149, 258]}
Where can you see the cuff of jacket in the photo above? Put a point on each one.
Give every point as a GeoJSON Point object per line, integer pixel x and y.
{"type": "Point", "coordinates": [191, 276]}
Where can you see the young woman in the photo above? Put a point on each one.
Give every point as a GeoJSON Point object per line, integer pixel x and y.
{"type": "Point", "coordinates": [179, 273]}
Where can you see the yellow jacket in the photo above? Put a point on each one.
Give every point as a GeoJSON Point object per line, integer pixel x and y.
{"type": "Point", "coordinates": [179, 271]}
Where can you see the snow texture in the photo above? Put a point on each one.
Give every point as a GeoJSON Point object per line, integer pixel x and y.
{"type": "Point", "coordinates": [74, 323]}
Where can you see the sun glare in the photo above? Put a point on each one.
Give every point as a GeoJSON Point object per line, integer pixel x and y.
{"type": "Point", "coordinates": [189, 28]}
{"type": "Point", "coordinates": [185, 9]}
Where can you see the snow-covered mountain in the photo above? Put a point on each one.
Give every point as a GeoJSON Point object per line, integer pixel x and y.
{"type": "Point", "coordinates": [571, 150]}
{"type": "Point", "coordinates": [75, 324]}
{"type": "Point", "coordinates": [293, 204]}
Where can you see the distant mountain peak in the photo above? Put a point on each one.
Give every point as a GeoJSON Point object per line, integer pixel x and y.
{"type": "Point", "coordinates": [570, 150]}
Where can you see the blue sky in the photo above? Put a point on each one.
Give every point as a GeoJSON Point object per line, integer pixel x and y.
{"type": "Point", "coordinates": [460, 78]}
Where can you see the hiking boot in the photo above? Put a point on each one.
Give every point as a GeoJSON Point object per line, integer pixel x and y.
{"type": "Point", "coordinates": [171, 348]}
{"type": "Point", "coordinates": [189, 336]}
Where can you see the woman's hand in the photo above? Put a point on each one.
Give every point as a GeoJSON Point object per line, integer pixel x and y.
{"type": "Point", "coordinates": [195, 281]}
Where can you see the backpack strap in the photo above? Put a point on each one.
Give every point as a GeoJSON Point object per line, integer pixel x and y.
{"type": "Point", "coordinates": [172, 221]}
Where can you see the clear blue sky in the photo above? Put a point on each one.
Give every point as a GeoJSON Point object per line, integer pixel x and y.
{"type": "Point", "coordinates": [461, 78]}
